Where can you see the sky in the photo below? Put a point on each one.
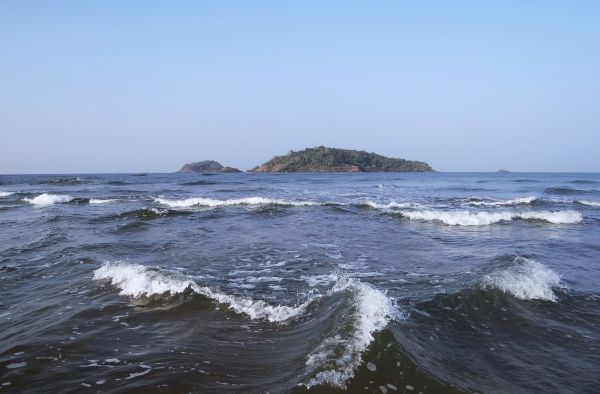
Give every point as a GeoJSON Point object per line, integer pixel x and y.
{"type": "Point", "coordinates": [146, 86]}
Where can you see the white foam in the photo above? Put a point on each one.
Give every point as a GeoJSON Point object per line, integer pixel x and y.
{"type": "Point", "coordinates": [137, 280]}
{"type": "Point", "coordinates": [48, 199]}
{"type": "Point", "coordinates": [336, 358]}
{"type": "Point", "coordinates": [515, 201]}
{"type": "Point", "coordinates": [213, 203]}
{"type": "Point", "coordinates": [390, 205]}
{"type": "Point", "coordinates": [466, 218]}
{"type": "Point", "coordinates": [6, 194]}
{"type": "Point", "coordinates": [589, 203]}
{"type": "Point", "coordinates": [526, 280]}
{"type": "Point", "coordinates": [101, 201]}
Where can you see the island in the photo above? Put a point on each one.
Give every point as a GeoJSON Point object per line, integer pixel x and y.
{"type": "Point", "coordinates": [207, 167]}
{"type": "Point", "coordinates": [323, 159]}
{"type": "Point", "coordinates": [503, 171]}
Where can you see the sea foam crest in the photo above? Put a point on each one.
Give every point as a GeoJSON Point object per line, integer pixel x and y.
{"type": "Point", "coordinates": [6, 194]}
{"type": "Point", "coordinates": [390, 205]}
{"type": "Point", "coordinates": [589, 203]}
{"type": "Point", "coordinates": [526, 279]}
{"type": "Point", "coordinates": [101, 201]}
{"type": "Point", "coordinates": [466, 218]}
{"type": "Point", "coordinates": [514, 201]}
{"type": "Point", "coordinates": [48, 199]}
{"type": "Point", "coordinates": [336, 358]}
{"type": "Point", "coordinates": [136, 280]}
{"type": "Point", "coordinates": [210, 202]}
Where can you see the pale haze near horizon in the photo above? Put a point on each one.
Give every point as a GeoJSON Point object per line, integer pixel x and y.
{"type": "Point", "coordinates": [147, 86]}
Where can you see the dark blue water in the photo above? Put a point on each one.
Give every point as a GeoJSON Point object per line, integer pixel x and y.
{"type": "Point", "coordinates": [176, 283]}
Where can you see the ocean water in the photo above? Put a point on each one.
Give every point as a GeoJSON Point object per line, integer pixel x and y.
{"type": "Point", "coordinates": [383, 283]}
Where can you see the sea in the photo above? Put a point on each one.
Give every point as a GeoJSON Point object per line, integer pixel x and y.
{"type": "Point", "coordinates": [300, 283]}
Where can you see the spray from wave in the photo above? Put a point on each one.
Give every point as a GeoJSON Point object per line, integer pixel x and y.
{"type": "Point", "coordinates": [526, 279]}
{"type": "Point", "coordinates": [48, 199]}
{"type": "Point", "coordinates": [466, 218]}
{"type": "Point", "coordinates": [213, 203]}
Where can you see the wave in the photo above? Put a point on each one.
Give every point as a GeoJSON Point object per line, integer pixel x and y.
{"type": "Point", "coordinates": [514, 201]}
{"type": "Point", "coordinates": [466, 218]}
{"type": "Point", "coordinates": [48, 199]}
{"type": "Point", "coordinates": [526, 279]}
{"type": "Point", "coordinates": [213, 203]}
{"type": "Point", "coordinates": [566, 191]}
{"type": "Point", "coordinates": [584, 182]}
{"type": "Point", "coordinates": [335, 360]}
{"type": "Point", "coordinates": [6, 194]}
{"type": "Point", "coordinates": [389, 205]}
{"type": "Point", "coordinates": [198, 183]}
{"type": "Point", "coordinates": [62, 181]}
{"type": "Point", "coordinates": [136, 280]}
{"type": "Point", "coordinates": [589, 203]}
{"type": "Point", "coordinates": [101, 201]}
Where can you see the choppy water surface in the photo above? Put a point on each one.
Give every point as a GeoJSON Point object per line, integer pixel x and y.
{"type": "Point", "coordinates": [385, 283]}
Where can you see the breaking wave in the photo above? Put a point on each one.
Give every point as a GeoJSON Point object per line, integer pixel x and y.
{"type": "Point", "coordinates": [101, 201]}
{"type": "Point", "coordinates": [466, 218]}
{"type": "Point", "coordinates": [6, 194]}
{"type": "Point", "coordinates": [332, 362]}
{"type": "Point", "coordinates": [514, 201]}
{"type": "Point", "coordinates": [136, 280]}
{"type": "Point", "coordinates": [526, 279]}
{"type": "Point", "coordinates": [589, 203]}
{"type": "Point", "coordinates": [389, 205]}
{"type": "Point", "coordinates": [213, 203]}
{"type": "Point", "coordinates": [335, 360]}
{"type": "Point", "coordinates": [48, 199]}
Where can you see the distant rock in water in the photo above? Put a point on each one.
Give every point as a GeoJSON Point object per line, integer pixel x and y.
{"type": "Point", "coordinates": [207, 166]}
{"type": "Point", "coordinates": [502, 171]}
{"type": "Point", "coordinates": [322, 159]}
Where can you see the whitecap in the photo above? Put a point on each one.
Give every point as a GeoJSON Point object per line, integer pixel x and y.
{"type": "Point", "coordinates": [136, 280]}
{"type": "Point", "coordinates": [101, 201]}
{"type": "Point", "coordinates": [466, 218]}
{"type": "Point", "coordinates": [213, 203]}
{"type": "Point", "coordinates": [335, 360]}
{"type": "Point", "coordinates": [390, 205]}
{"type": "Point", "coordinates": [6, 194]}
{"type": "Point", "coordinates": [514, 201]}
{"type": "Point", "coordinates": [589, 203]}
{"type": "Point", "coordinates": [526, 279]}
{"type": "Point", "coordinates": [48, 199]}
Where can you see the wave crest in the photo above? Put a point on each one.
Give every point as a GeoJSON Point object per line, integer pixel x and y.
{"type": "Point", "coordinates": [136, 280]}
{"type": "Point", "coordinates": [526, 279]}
{"type": "Point", "coordinates": [514, 201]}
{"type": "Point", "coordinates": [213, 203]}
{"type": "Point", "coordinates": [6, 194]}
{"type": "Point", "coordinates": [589, 203]}
{"type": "Point", "coordinates": [337, 357]}
{"type": "Point", "coordinates": [48, 199]}
{"type": "Point", "coordinates": [466, 218]}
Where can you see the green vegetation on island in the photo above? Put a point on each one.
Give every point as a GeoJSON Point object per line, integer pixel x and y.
{"type": "Point", "coordinates": [207, 167]}
{"type": "Point", "coordinates": [322, 159]}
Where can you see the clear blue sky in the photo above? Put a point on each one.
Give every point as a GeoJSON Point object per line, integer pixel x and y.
{"type": "Point", "coordinates": [127, 86]}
